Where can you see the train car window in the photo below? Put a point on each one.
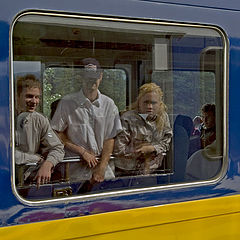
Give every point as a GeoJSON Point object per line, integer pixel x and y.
{"type": "Point", "coordinates": [105, 105]}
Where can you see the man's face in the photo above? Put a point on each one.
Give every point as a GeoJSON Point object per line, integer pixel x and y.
{"type": "Point", "coordinates": [28, 99]}
{"type": "Point", "coordinates": [91, 84]}
{"type": "Point", "coordinates": [208, 119]}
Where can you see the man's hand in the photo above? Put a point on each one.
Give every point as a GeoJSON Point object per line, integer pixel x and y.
{"type": "Point", "coordinates": [81, 151]}
{"type": "Point", "coordinates": [98, 173]}
{"type": "Point", "coordinates": [90, 159]}
{"type": "Point", "coordinates": [44, 173]}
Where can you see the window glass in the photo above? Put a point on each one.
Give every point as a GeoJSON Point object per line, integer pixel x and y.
{"type": "Point", "coordinates": [104, 105]}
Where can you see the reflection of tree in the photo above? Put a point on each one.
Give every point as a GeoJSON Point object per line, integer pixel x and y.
{"type": "Point", "coordinates": [114, 86]}
{"type": "Point", "coordinates": [60, 81]}
{"type": "Point", "coordinates": [49, 95]}
{"type": "Point", "coordinates": [192, 90]}
{"type": "Point", "coordinates": [188, 89]}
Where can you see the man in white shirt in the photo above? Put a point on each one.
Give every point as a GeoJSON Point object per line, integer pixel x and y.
{"type": "Point", "coordinates": [87, 122]}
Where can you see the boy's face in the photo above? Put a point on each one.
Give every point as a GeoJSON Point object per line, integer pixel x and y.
{"type": "Point", "coordinates": [29, 99]}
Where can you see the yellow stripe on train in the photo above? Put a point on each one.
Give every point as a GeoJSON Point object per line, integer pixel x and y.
{"type": "Point", "coordinates": [216, 218]}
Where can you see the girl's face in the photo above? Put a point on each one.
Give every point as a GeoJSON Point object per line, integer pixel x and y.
{"type": "Point", "coordinates": [149, 103]}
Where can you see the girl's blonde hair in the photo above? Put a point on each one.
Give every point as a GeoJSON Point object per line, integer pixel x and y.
{"type": "Point", "coordinates": [152, 87]}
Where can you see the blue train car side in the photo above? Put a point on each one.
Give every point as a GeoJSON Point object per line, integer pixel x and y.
{"type": "Point", "coordinates": [188, 48]}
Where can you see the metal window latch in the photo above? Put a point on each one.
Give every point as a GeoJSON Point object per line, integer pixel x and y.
{"type": "Point", "coordinates": [62, 192]}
